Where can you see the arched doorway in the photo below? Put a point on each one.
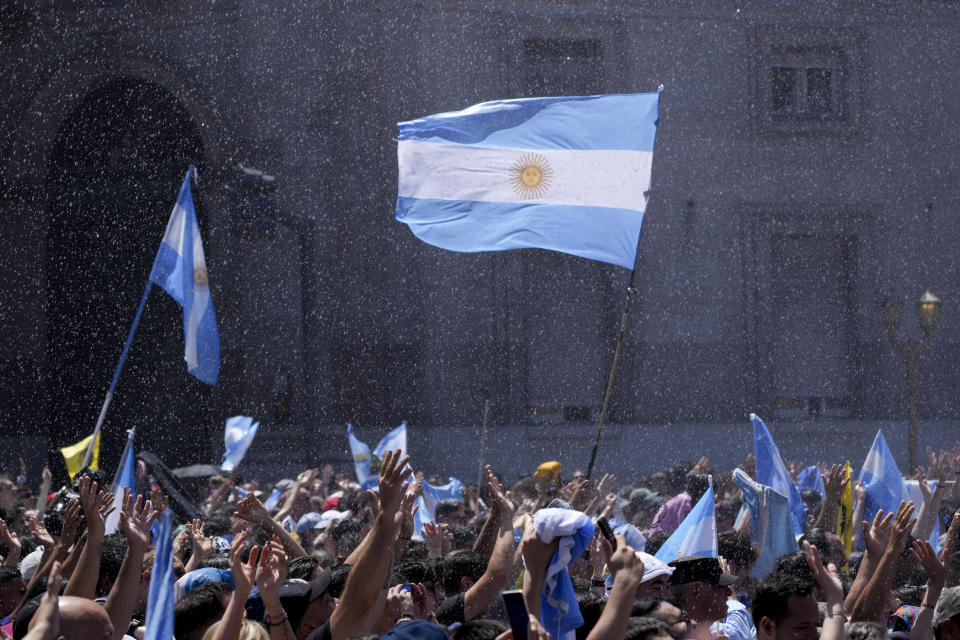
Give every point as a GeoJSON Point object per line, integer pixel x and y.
{"type": "Point", "coordinates": [113, 176]}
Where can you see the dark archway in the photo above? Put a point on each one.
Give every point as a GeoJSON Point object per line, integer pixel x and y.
{"type": "Point", "coordinates": [113, 177]}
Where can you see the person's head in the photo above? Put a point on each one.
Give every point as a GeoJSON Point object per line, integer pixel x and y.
{"type": "Point", "coordinates": [451, 511]}
{"type": "Point", "coordinates": [865, 631]}
{"type": "Point", "coordinates": [946, 616]}
{"type": "Point", "coordinates": [665, 611]}
{"type": "Point", "coordinates": [579, 475]}
{"type": "Point", "coordinates": [700, 587]}
{"type": "Point", "coordinates": [146, 570]}
{"type": "Point", "coordinates": [12, 589]}
{"type": "Point", "coordinates": [425, 574]}
{"type": "Point", "coordinates": [784, 609]}
{"type": "Point", "coordinates": [305, 568]}
{"type": "Point", "coordinates": [795, 564]}
{"type": "Point", "coordinates": [646, 629]}
{"type": "Point", "coordinates": [591, 606]}
{"type": "Point", "coordinates": [740, 553]}
{"type": "Point", "coordinates": [696, 485]}
{"type": "Point", "coordinates": [308, 604]}
{"type": "Point", "coordinates": [479, 629]}
{"type": "Point", "coordinates": [111, 557]}
{"type": "Point", "coordinates": [82, 619]}
{"type": "Point", "coordinates": [655, 541]}
{"type": "Point", "coordinates": [547, 476]}
{"type": "Point", "coordinates": [199, 608]}
{"type": "Point", "coordinates": [249, 630]}
{"type": "Point", "coordinates": [460, 570]}
{"type": "Point", "coordinates": [656, 578]}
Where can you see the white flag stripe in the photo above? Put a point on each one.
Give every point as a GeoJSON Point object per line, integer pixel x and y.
{"type": "Point", "coordinates": [597, 178]}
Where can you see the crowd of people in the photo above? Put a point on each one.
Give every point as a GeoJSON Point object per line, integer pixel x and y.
{"type": "Point", "coordinates": [318, 557]}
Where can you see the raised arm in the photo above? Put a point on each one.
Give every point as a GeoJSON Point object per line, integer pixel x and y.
{"type": "Point", "coordinates": [536, 559]}
{"type": "Point", "coordinates": [937, 570]}
{"type": "Point", "coordinates": [833, 483]}
{"type": "Point", "coordinates": [135, 521]}
{"type": "Point", "coordinates": [271, 572]}
{"type": "Point", "coordinates": [627, 571]}
{"type": "Point", "coordinates": [875, 539]}
{"type": "Point", "coordinates": [13, 544]}
{"type": "Point", "coordinates": [869, 607]}
{"type": "Point", "coordinates": [500, 566]}
{"type": "Point", "coordinates": [361, 602]}
{"type": "Point", "coordinates": [83, 582]}
{"type": "Point", "coordinates": [244, 574]}
{"type": "Point", "coordinates": [829, 581]}
{"type": "Point", "coordinates": [45, 479]}
{"type": "Point", "coordinates": [252, 510]}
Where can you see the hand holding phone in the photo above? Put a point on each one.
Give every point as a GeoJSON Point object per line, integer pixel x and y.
{"type": "Point", "coordinates": [607, 532]}
{"type": "Point", "coordinates": [516, 608]}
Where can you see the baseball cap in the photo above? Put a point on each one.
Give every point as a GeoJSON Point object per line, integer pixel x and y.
{"type": "Point", "coordinates": [948, 606]}
{"type": "Point", "coordinates": [296, 595]}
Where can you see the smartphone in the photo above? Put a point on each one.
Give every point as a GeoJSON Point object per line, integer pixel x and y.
{"type": "Point", "coordinates": [516, 613]}
{"type": "Point", "coordinates": [607, 532]}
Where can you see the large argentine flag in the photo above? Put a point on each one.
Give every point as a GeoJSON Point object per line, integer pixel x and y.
{"type": "Point", "coordinates": [570, 174]}
{"type": "Point", "coordinates": [396, 439]}
{"type": "Point", "coordinates": [181, 270]}
{"type": "Point", "coordinates": [696, 535]}
{"type": "Point", "coordinates": [882, 480]}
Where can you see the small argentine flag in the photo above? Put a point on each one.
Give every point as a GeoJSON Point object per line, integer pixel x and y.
{"type": "Point", "coordinates": [696, 535]}
{"type": "Point", "coordinates": [569, 174]}
{"type": "Point", "coordinates": [181, 269]}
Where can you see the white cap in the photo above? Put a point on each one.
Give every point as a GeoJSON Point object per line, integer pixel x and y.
{"type": "Point", "coordinates": [29, 563]}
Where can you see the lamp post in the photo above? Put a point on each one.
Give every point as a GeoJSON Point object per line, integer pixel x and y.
{"type": "Point", "coordinates": [928, 312]}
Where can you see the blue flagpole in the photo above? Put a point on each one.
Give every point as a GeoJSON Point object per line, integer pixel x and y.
{"type": "Point", "coordinates": [116, 374]}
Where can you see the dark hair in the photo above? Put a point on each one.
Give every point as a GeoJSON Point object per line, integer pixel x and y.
{"type": "Point", "coordinates": [447, 506]}
{"type": "Point", "coordinates": [479, 629]}
{"type": "Point", "coordinates": [794, 564]}
{"type": "Point", "coordinates": [21, 621]}
{"type": "Point", "coordinates": [111, 557]}
{"type": "Point", "coordinates": [346, 535]}
{"type": "Point", "coordinates": [655, 541]}
{"type": "Point", "coordinates": [218, 525]}
{"type": "Point", "coordinates": [863, 630]}
{"type": "Point", "coordinates": [417, 572]}
{"type": "Point", "coordinates": [736, 548]}
{"type": "Point", "coordinates": [645, 606]}
{"type": "Point", "coordinates": [818, 538]}
{"type": "Point", "coordinates": [591, 606]}
{"type": "Point", "coordinates": [773, 593]}
{"type": "Point", "coordinates": [696, 485]}
{"type": "Point", "coordinates": [215, 561]}
{"type": "Point", "coordinates": [466, 564]}
{"type": "Point", "coordinates": [416, 550]}
{"type": "Point", "coordinates": [8, 573]}
{"type": "Point", "coordinates": [302, 567]}
{"type": "Point", "coordinates": [338, 580]}
{"type": "Point", "coordinates": [642, 628]}
{"type": "Point", "coordinates": [199, 608]}
{"type": "Point", "coordinates": [910, 595]}
{"type": "Point", "coordinates": [463, 538]}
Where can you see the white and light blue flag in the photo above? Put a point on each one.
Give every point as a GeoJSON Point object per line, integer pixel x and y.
{"type": "Point", "coordinates": [810, 478]}
{"type": "Point", "coordinates": [181, 269]}
{"type": "Point", "coordinates": [568, 174]}
{"type": "Point", "coordinates": [237, 438]}
{"type": "Point", "coordinates": [360, 453]}
{"type": "Point", "coordinates": [771, 523]}
{"type": "Point", "coordinates": [773, 473]}
{"type": "Point", "coordinates": [396, 439]}
{"type": "Point", "coordinates": [430, 497]}
{"type": "Point", "coordinates": [124, 478]}
{"type": "Point", "coordinates": [160, 599]}
{"type": "Point", "coordinates": [696, 535]}
{"type": "Point", "coordinates": [882, 480]}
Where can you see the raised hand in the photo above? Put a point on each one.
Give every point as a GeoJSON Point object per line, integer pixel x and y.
{"type": "Point", "coordinates": [834, 483]}
{"type": "Point", "coordinates": [536, 554]}
{"type": "Point", "coordinates": [902, 524]}
{"type": "Point", "coordinates": [46, 625]}
{"type": "Point", "coordinates": [252, 510]}
{"type": "Point", "coordinates": [624, 562]}
{"type": "Point", "coordinates": [607, 484]}
{"type": "Point", "coordinates": [38, 531]}
{"type": "Point", "coordinates": [500, 502]}
{"type": "Point", "coordinates": [433, 537]}
{"type": "Point", "coordinates": [159, 500]}
{"type": "Point", "coordinates": [877, 535]}
{"type": "Point", "coordinates": [136, 519]}
{"type": "Point", "coordinates": [827, 577]}
{"type": "Point", "coordinates": [71, 524]}
{"type": "Point", "coordinates": [202, 545]}
{"type": "Point", "coordinates": [244, 573]}
{"type": "Point", "coordinates": [272, 570]}
{"type": "Point", "coordinates": [393, 472]}
{"type": "Point", "coordinates": [936, 568]}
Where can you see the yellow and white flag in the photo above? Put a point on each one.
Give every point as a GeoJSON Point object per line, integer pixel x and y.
{"type": "Point", "coordinates": [73, 455]}
{"type": "Point", "coordinates": [845, 522]}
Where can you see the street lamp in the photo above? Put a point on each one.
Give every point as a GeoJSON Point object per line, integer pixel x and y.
{"type": "Point", "coordinates": [928, 313]}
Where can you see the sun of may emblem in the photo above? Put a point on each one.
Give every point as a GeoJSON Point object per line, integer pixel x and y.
{"type": "Point", "coordinates": [200, 276]}
{"type": "Point", "coordinates": [531, 175]}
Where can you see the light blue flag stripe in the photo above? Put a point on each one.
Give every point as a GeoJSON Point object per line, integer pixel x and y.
{"type": "Point", "coordinates": [624, 121]}
{"type": "Point", "coordinates": [181, 270]}
{"type": "Point", "coordinates": [882, 480]}
{"type": "Point", "coordinates": [396, 439]}
{"type": "Point", "coordinates": [361, 460]}
{"type": "Point", "coordinates": [569, 174]}
{"type": "Point", "coordinates": [160, 600]}
{"type": "Point", "coordinates": [468, 226]}
{"type": "Point", "coordinates": [773, 473]}
{"type": "Point", "coordinates": [237, 437]}
{"type": "Point", "coordinates": [696, 535]}
{"type": "Point", "coordinates": [124, 478]}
